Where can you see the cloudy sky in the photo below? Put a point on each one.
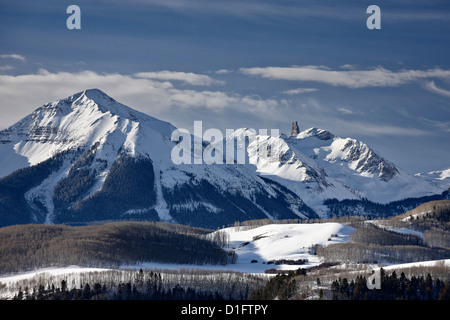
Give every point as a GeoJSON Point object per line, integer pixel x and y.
{"type": "Point", "coordinates": [257, 64]}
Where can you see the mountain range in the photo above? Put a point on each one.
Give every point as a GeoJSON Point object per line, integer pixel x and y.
{"type": "Point", "coordinates": [88, 158]}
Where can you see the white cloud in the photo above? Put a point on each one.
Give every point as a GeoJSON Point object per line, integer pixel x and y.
{"type": "Point", "coordinates": [222, 71]}
{"type": "Point", "coordinates": [345, 111]}
{"type": "Point", "coordinates": [347, 67]}
{"type": "Point", "coordinates": [430, 85]}
{"type": "Point", "coordinates": [6, 67]}
{"type": "Point", "coordinates": [13, 56]}
{"type": "Point", "coordinates": [20, 95]}
{"type": "Point", "coordinates": [192, 98]}
{"type": "Point", "coordinates": [300, 91]}
{"type": "Point", "coordinates": [439, 124]}
{"type": "Point", "coordinates": [378, 77]}
{"type": "Point", "coordinates": [189, 78]}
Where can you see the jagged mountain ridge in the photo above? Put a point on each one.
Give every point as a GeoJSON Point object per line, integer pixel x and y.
{"type": "Point", "coordinates": [89, 158]}
{"type": "Point", "coordinates": [317, 166]}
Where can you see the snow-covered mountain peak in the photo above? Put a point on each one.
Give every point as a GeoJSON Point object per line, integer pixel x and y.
{"type": "Point", "coordinates": [320, 134]}
{"type": "Point", "coordinates": [350, 153]}
{"type": "Point", "coordinates": [99, 100]}
{"type": "Point", "coordinates": [97, 95]}
{"type": "Point", "coordinates": [79, 121]}
{"type": "Point", "coordinates": [318, 165]}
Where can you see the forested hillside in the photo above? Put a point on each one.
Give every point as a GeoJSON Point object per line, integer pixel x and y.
{"type": "Point", "coordinates": [353, 207]}
{"type": "Point", "coordinates": [26, 247]}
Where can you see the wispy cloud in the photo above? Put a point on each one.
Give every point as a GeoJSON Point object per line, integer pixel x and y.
{"type": "Point", "coordinates": [187, 77]}
{"type": "Point", "coordinates": [13, 56]}
{"type": "Point", "coordinates": [441, 125]}
{"type": "Point", "coordinates": [371, 129]}
{"type": "Point", "coordinates": [345, 111]}
{"type": "Point", "coordinates": [222, 71]}
{"type": "Point", "coordinates": [347, 67]}
{"type": "Point", "coordinates": [300, 91]}
{"type": "Point", "coordinates": [378, 77]}
{"type": "Point", "coordinates": [6, 67]}
{"type": "Point", "coordinates": [430, 85]}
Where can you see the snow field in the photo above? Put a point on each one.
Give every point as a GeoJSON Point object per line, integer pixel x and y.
{"type": "Point", "coordinates": [282, 241]}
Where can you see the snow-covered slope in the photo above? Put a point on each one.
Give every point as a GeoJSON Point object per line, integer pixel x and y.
{"type": "Point", "coordinates": [273, 242]}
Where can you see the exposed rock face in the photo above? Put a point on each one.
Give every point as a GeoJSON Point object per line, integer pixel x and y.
{"type": "Point", "coordinates": [295, 130]}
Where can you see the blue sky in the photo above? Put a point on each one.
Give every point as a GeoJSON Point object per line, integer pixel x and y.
{"type": "Point", "coordinates": [257, 64]}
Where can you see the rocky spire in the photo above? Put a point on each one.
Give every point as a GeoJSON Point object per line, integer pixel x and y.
{"type": "Point", "coordinates": [294, 131]}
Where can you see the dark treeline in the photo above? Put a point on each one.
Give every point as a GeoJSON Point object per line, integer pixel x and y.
{"type": "Point", "coordinates": [151, 290]}
{"type": "Point", "coordinates": [140, 285]}
{"type": "Point", "coordinates": [27, 247]}
{"type": "Point", "coordinates": [250, 224]}
{"type": "Point", "coordinates": [125, 291]}
{"type": "Point", "coordinates": [280, 287]}
{"type": "Point", "coordinates": [393, 287]}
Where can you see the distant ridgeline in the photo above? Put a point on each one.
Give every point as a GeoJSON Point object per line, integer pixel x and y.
{"type": "Point", "coordinates": [364, 207]}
